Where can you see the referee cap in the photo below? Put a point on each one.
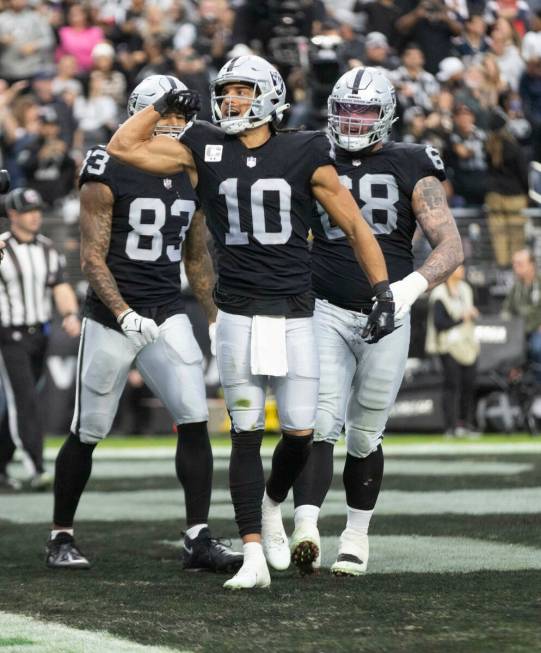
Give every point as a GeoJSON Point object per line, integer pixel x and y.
{"type": "Point", "coordinates": [24, 199]}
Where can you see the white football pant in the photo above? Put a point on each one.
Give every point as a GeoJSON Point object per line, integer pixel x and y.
{"type": "Point", "coordinates": [171, 367]}
{"type": "Point", "coordinates": [359, 382]}
{"type": "Point", "coordinates": [244, 392]}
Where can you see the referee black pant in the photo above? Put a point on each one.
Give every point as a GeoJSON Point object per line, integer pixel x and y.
{"type": "Point", "coordinates": [22, 358]}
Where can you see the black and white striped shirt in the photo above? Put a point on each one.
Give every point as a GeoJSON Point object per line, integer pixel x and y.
{"type": "Point", "coordinates": [28, 273]}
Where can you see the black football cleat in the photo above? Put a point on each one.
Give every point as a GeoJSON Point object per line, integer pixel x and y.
{"type": "Point", "coordinates": [205, 553]}
{"type": "Point", "coordinates": [63, 553]}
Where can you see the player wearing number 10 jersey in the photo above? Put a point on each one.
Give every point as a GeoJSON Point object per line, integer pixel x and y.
{"type": "Point", "coordinates": [256, 185]}
{"type": "Point", "coordinates": [397, 186]}
{"type": "Point", "coordinates": [134, 228]}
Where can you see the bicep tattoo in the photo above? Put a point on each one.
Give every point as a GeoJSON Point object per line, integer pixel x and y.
{"type": "Point", "coordinates": [432, 212]}
{"type": "Point", "coordinates": [96, 220]}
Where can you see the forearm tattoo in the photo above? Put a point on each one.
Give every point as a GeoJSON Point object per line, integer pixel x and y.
{"type": "Point", "coordinates": [96, 219]}
{"type": "Point", "coordinates": [199, 268]}
{"type": "Point", "coordinates": [436, 220]}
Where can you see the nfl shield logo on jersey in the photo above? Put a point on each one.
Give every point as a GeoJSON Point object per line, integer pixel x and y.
{"type": "Point", "coordinates": [251, 161]}
{"type": "Point", "coordinates": [168, 183]}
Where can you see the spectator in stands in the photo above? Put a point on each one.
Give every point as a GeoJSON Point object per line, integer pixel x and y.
{"type": "Point", "coordinates": [377, 52]}
{"type": "Point", "coordinates": [97, 115]}
{"type": "Point", "coordinates": [46, 162]}
{"type": "Point", "coordinates": [42, 89]}
{"type": "Point", "coordinates": [530, 94]}
{"type": "Point", "coordinates": [155, 24]}
{"type": "Point", "coordinates": [189, 66]}
{"type": "Point", "coordinates": [113, 82]}
{"type": "Point", "coordinates": [79, 37]}
{"type": "Point", "coordinates": [516, 12]}
{"type": "Point", "coordinates": [505, 45]}
{"type": "Point", "coordinates": [25, 111]}
{"type": "Point", "coordinates": [524, 300]}
{"type": "Point", "coordinates": [451, 335]}
{"type": "Point", "coordinates": [507, 186]}
{"type": "Point", "coordinates": [466, 159]}
{"type": "Point", "coordinates": [431, 24]}
{"type": "Point", "coordinates": [26, 42]}
{"type": "Point", "coordinates": [66, 80]}
{"type": "Point", "coordinates": [531, 43]}
{"type": "Point", "coordinates": [381, 16]}
{"type": "Point", "coordinates": [156, 62]}
{"type": "Point", "coordinates": [414, 85]}
{"type": "Point", "coordinates": [473, 40]}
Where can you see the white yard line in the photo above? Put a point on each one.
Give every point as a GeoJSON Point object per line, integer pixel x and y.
{"type": "Point", "coordinates": [158, 505]}
{"type": "Point", "coordinates": [20, 634]}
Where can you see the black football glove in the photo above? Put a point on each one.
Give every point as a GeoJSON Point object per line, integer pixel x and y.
{"type": "Point", "coordinates": [380, 321]}
{"type": "Point", "coordinates": [184, 103]}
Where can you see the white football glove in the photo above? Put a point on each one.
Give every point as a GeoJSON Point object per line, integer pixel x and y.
{"type": "Point", "coordinates": [212, 338]}
{"type": "Point", "coordinates": [406, 291]}
{"type": "Point", "coordinates": [140, 330]}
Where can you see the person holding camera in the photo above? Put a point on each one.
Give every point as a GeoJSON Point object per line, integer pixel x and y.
{"type": "Point", "coordinates": [31, 278]}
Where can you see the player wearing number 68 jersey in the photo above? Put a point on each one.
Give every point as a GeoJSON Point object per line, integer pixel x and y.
{"type": "Point", "coordinates": [398, 186]}
{"type": "Point", "coordinates": [134, 228]}
{"type": "Point", "coordinates": [255, 184]}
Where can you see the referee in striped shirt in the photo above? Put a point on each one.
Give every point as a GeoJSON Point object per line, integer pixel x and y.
{"type": "Point", "coordinates": [31, 279]}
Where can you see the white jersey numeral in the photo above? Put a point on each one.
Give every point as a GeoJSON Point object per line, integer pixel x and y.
{"type": "Point", "coordinates": [379, 192]}
{"type": "Point", "coordinates": [95, 162]}
{"type": "Point", "coordinates": [151, 233]}
{"type": "Point", "coordinates": [235, 236]}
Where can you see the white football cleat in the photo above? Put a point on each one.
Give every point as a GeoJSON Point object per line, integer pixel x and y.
{"type": "Point", "coordinates": [253, 573]}
{"type": "Point", "coordinates": [352, 557]}
{"type": "Point", "coordinates": [306, 548]}
{"type": "Point", "coordinates": [274, 540]}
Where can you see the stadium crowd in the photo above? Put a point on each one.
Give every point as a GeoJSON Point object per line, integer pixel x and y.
{"type": "Point", "coordinates": [66, 70]}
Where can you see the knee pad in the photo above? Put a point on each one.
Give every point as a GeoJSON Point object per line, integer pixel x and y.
{"type": "Point", "coordinates": [361, 443]}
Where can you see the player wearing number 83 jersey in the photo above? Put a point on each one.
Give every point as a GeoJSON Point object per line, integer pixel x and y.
{"type": "Point", "coordinates": [134, 228]}
{"type": "Point", "coordinates": [397, 186]}
{"type": "Point", "coordinates": [256, 185]}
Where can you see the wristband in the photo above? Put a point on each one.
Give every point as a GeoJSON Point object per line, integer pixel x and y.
{"type": "Point", "coordinates": [381, 287]}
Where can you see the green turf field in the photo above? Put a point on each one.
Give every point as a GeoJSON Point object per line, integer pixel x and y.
{"type": "Point", "coordinates": [455, 561]}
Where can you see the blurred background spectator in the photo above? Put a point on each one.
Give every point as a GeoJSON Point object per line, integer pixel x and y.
{"type": "Point", "coordinates": [524, 300]}
{"type": "Point", "coordinates": [451, 335]}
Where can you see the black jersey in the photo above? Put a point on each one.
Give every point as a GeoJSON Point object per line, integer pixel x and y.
{"type": "Point", "coordinates": [258, 205]}
{"type": "Point", "coordinates": [151, 216]}
{"type": "Point", "coordinates": [382, 183]}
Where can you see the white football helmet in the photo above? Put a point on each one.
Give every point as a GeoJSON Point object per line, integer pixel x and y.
{"type": "Point", "coordinates": [148, 91]}
{"type": "Point", "coordinates": [269, 94]}
{"type": "Point", "coordinates": [361, 92]}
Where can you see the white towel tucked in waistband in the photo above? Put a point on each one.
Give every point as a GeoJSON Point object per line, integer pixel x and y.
{"type": "Point", "coordinates": [268, 353]}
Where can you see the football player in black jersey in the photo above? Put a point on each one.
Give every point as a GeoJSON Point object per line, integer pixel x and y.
{"type": "Point", "coordinates": [134, 228]}
{"type": "Point", "coordinates": [397, 186]}
{"type": "Point", "coordinates": [256, 186]}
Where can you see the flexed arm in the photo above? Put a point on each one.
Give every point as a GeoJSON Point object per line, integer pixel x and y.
{"type": "Point", "coordinates": [134, 142]}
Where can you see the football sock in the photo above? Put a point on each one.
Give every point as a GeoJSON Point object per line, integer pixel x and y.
{"type": "Point", "coordinates": [289, 458]}
{"type": "Point", "coordinates": [72, 471]}
{"type": "Point", "coordinates": [247, 480]}
{"type": "Point", "coordinates": [359, 520]}
{"type": "Point", "coordinates": [252, 550]}
{"type": "Point", "coordinates": [271, 508]}
{"type": "Point", "coordinates": [194, 531]}
{"type": "Point", "coordinates": [306, 513]}
{"type": "Point", "coordinates": [314, 481]}
{"type": "Point", "coordinates": [362, 479]}
{"type": "Point", "coordinates": [193, 462]}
